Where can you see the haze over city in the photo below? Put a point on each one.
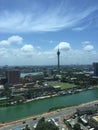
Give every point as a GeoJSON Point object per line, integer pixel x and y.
{"type": "Point", "coordinates": [32, 31]}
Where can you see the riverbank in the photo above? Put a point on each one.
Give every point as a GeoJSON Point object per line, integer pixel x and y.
{"type": "Point", "coordinates": [60, 93]}
{"type": "Point", "coordinates": [47, 113]}
{"type": "Point", "coordinates": [40, 106]}
{"type": "Point", "coordinates": [38, 98]}
{"type": "Point", "coordinates": [64, 92]}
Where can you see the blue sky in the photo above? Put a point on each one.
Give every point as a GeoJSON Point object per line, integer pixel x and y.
{"type": "Point", "coordinates": [31, 31]}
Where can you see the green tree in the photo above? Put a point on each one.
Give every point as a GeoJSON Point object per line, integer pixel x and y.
{"type": "Point", "coordinates": [7, 90]}
{"type": "Point", "coordinates": [18, 97]}
{"type": "Point", "coordinates": [45, 125]}
{"type": "Point", "coordinates": [77, 126]}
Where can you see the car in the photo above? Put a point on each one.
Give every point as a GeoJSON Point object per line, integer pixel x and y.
{"type": "Point", "coordinates": [23, 122]}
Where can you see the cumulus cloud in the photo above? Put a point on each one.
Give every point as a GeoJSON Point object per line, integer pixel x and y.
{"type": "Point", "coordinates": [27, 48]}
{"type": "Point", "coordinates": [63, 46]}
{"type": "Point", "coordinates": [87, 46]}
{"type": "Point", "coordinates": [4, 43]}
{"type": "Point", "coordinates": [28, 54]}
{"type": "Point", "coordinates": [13, 39]}
{"type": "Point", "coordinates": [3, 53]}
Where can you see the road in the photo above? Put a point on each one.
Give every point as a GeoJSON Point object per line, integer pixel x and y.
{"type": "Point", "coordinates": [31, 121]}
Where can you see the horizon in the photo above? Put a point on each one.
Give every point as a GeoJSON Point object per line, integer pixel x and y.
{"type": "Point", "coordinates": [32, 31]}
{"type": "Point", "coordinates": [47, 65]}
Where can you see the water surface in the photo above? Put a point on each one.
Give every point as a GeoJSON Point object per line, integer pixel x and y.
{"type": "Point", "coordinates": [41, 106]}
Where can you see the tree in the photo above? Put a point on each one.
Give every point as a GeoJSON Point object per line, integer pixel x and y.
{"type": "Point", "coordinates": [28, 94]}
{"type": "Point", "coordinates": [45, 125]}
{"type": "Point", "coordinates": [7, 90]}
{"type": "Point", "coordinates": [18, 97]}
{"type": "Point", "coordinates": [77, 126]}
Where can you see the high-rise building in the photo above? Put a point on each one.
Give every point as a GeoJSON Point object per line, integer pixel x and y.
{"type": "Point", "coordinates": [95, 68]}
{"type": "Point", "coordinates": [13, 76]}
{"type": "Point", "coordinates": [58, 57]}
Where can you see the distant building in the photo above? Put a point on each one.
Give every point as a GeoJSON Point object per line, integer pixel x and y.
{"type": "Point", "coordinates": [13, 76]}
{"type": "Point", "coordinates": [29, 85]}
{"type": "Point", "coordinates": [49, 72]}
{"type": "Point", "coordinates": [32, 76]}
{"type": "Point", "coordinates": [95, 68]}
{"type": "Point", "coordinates": [17, 86]}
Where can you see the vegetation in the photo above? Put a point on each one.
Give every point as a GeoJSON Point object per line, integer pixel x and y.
{"type": "Point", "coordinates": [18, 98]}
{"type": "Point", "coordinates": [64, 85]}
{"type": "Point", "coordinates": [7, 91]}
{"type": "Point", "coordinates": [45, 125]}
{"type": "Point", "coordinates": [77, 126]}
{"type": "Point", "coordinates": [55, 108]}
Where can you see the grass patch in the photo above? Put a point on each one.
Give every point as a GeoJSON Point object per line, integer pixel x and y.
{"type": "Point", "coordinates": [64, 85]}
{"type": "Point", "coordinates": [55, 108]}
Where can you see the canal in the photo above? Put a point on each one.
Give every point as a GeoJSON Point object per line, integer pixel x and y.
{"type": "Point", "coordinates": [40, 106]}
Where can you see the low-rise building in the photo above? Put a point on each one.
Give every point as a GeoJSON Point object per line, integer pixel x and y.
{"type": "Point", "coordinates": [87, 110]}
{"type": "Point", "coordinates": [93, 121]}
{"type": "Point", "coordinates": [29, 85]}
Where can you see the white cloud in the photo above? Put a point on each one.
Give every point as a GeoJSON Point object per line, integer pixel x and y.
{"type": "Point", "coordinates": [27, 54]}
{"type": "Point", "coordinates": [63, 46]}
{"type": "Point", "coordinates": [27, 48]}
{"type": "Point", "coordinates": [51, 19]}
{"type": "Point", "coordinates": [88, 48]}
{"type": "Point", "coordinates": [4, 43]}
{"type": "Point", "coordinates": [3, 53]}
{"type": "Point", "coordinates": [13, 39]}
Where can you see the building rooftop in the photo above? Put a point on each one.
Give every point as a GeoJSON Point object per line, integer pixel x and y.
{"type": "Point", "coordinates": [1, 86]}
{"type": "Point", "coordinates": [95, 118]}
{"type": "Point", "coordinates": [22, 75]}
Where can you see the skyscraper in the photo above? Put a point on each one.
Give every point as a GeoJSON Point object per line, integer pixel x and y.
{"type": "Point", "coordinates": [13, 76]}
{"type": "Point", "coordinates": [58, 57]}
{"type": "Point", "coordinates": [95, 68]}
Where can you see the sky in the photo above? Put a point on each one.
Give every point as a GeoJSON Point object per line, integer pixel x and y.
{"type": "Point", "coordinates": [31, 32]}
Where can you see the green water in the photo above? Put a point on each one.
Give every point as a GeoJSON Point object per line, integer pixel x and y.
{"type": "Point", "coordinates": [41, 106]}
